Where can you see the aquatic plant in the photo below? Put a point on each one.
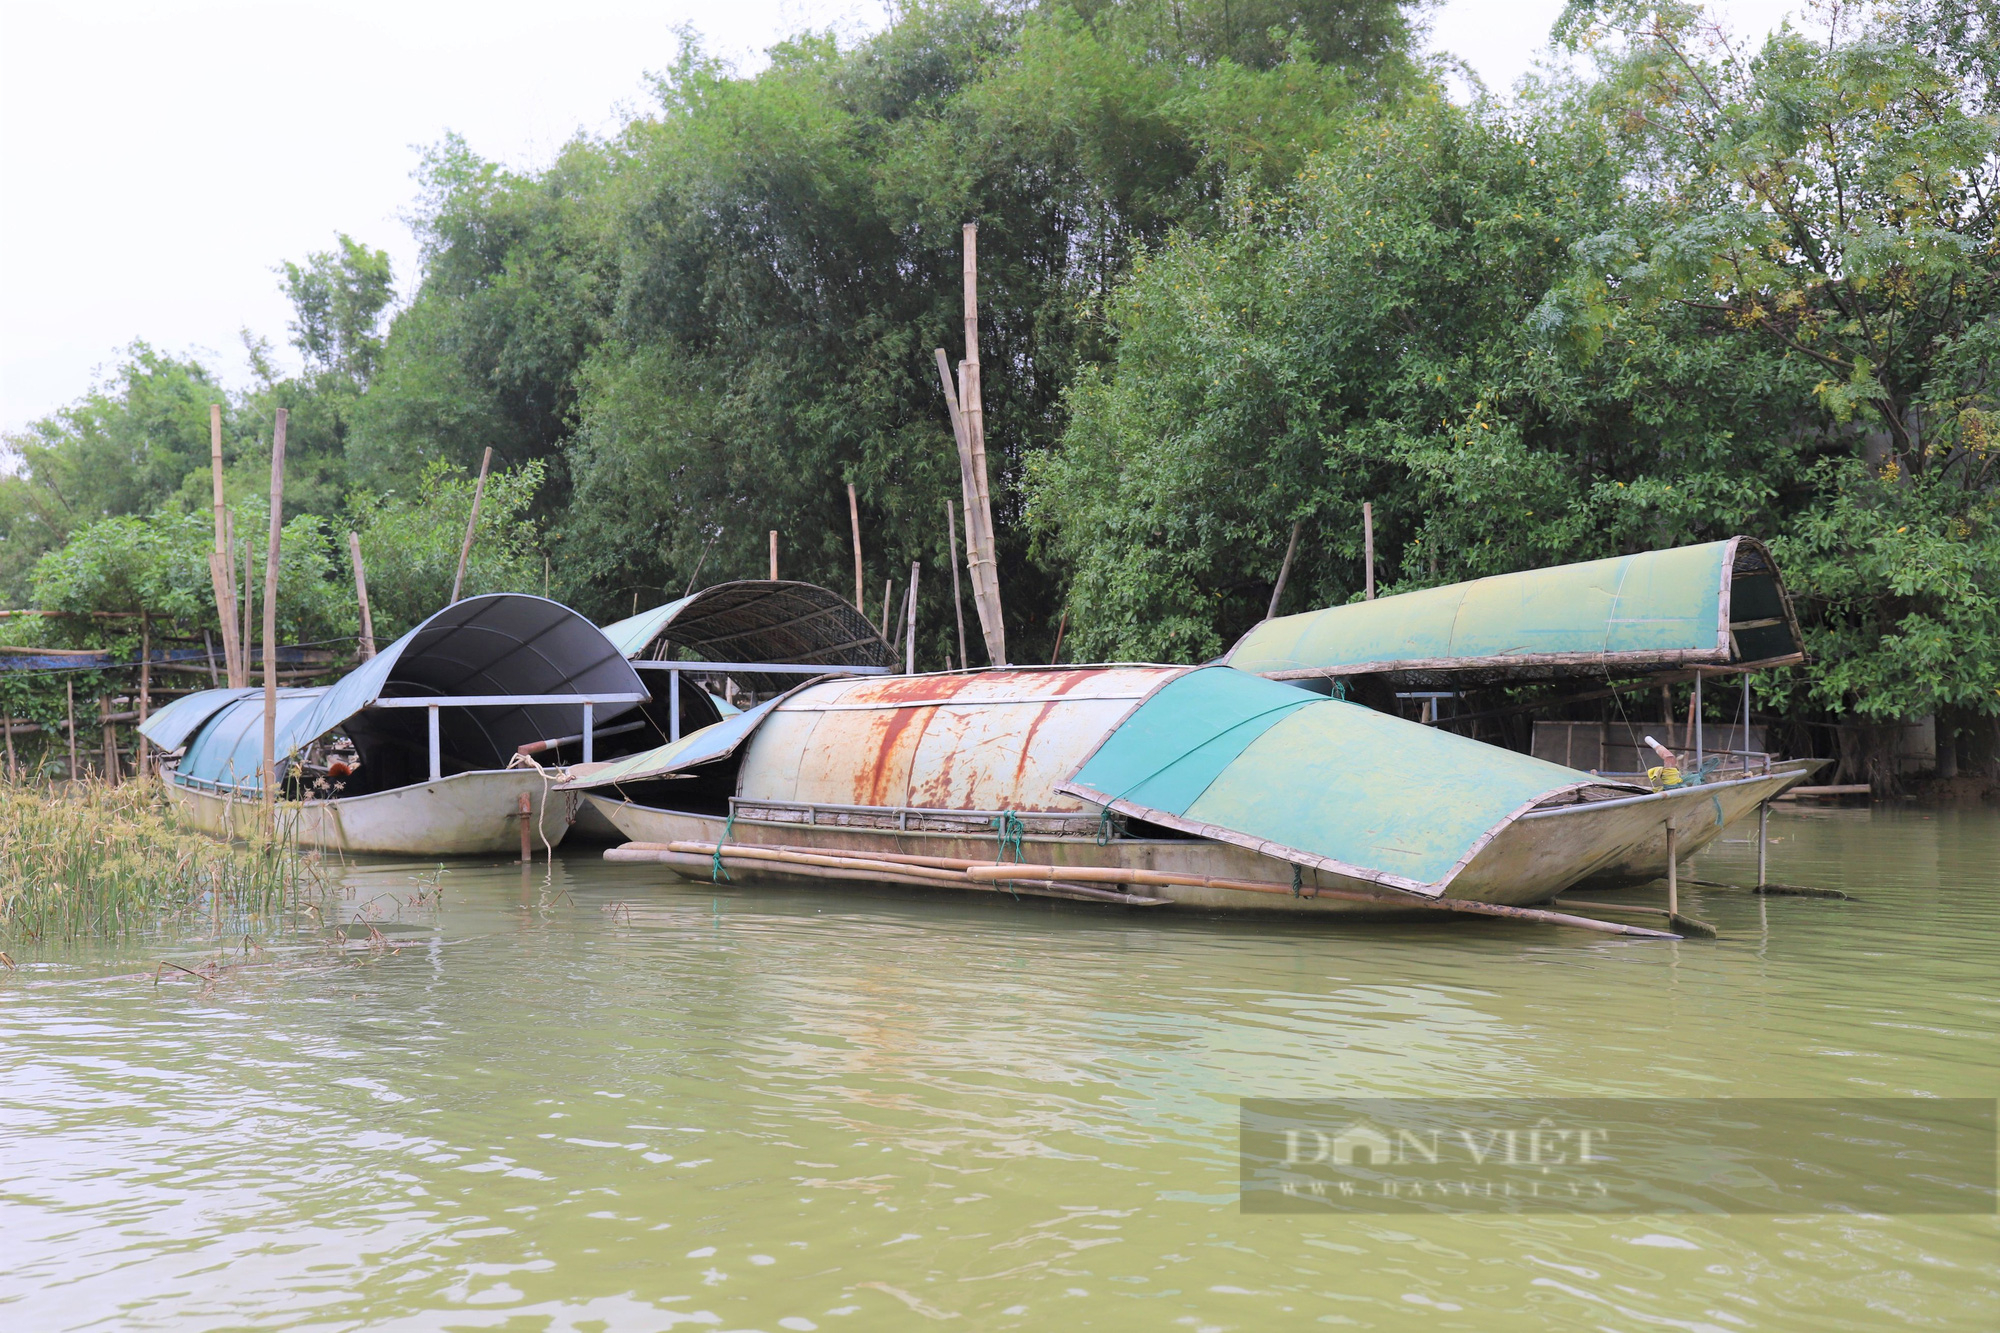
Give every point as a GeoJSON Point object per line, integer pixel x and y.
{"type": "Point", "coordinates": [88, 859]}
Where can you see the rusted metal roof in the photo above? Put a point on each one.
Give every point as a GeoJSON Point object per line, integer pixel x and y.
{"type": "Point", "coordinates": [755, 620]}
{"type": "Point", "coordinates": [983, 740]}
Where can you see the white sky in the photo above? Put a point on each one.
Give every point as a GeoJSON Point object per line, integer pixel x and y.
{"type": "Point", "coordinates": [160, 158]}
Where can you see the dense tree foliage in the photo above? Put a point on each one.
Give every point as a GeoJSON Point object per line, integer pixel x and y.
{"type": "Point", "coordinates": [1242, 265]}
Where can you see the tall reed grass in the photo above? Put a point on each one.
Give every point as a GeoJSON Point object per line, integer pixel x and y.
{"type": "Point", "coordinates": [88, 860]}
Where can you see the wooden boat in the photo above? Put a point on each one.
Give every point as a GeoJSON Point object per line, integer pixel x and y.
{"type": "Point", "coordinates": [1145, 785]}
{"type": "Point", "coordinates": [414, 752]}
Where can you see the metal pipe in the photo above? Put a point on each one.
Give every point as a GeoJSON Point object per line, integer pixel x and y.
{"type": "Point", "coordinates": [437, 755]}
{"type": "Point", "coordinates": [673, 705]}
{"type": "Point", "coordinates": [589, 735]}
{"type": "Point", "coordinates": [1697, 721]}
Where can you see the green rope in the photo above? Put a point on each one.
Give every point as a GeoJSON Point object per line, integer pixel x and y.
{"type": "Point", "coordinates": [1339, 690]}
{"type": "Point", "coordinates": [715, 866]}
{"type": "Point", "coordinates": [1104, 827]}
{"type": "Point", "coordinates": [1007, 826]}
{"type": "Point", "coordinates": [1298, 882]}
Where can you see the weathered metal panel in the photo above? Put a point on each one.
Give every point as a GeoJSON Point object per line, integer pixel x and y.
{"type": "Point", "coordinates": [981, 740]}
{"type": "Point", "coordinates": [1322, 783]}
{"type": "Point", "coordinates": [1655, 609]}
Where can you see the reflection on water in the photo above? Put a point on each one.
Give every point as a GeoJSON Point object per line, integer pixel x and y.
{"type": "Point", "coordinates": [605, 1102]}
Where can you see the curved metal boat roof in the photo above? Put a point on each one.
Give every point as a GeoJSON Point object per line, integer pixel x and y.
{"type": "Point", "coordinates": [1718, 604]}
{"type": "Point", "coordinates": [755, 620]}
{"type": "Point", "coordinates": [493, 645]}
{"type": "Point", "coordinates": [1211, 751]}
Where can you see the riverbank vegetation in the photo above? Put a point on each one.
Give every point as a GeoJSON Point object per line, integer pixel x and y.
{"type": "Point", "coordinates": [1243, 265]}
{"type": "Point", "coordinates": [90, 860]}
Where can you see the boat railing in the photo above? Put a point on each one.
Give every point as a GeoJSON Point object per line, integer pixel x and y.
{"type": "Point", "coordinates": [676, 668]}
{"type": "Point", "coordinates": [915, 819]}
{"type": "Point", "coordinates": [435, 702]}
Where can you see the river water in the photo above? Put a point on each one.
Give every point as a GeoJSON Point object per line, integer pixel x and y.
{"type": "Point", "coordinates": [589, 1100]}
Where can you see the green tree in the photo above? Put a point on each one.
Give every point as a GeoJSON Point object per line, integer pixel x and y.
{"type": "Point", "coordinates": [410, 542]}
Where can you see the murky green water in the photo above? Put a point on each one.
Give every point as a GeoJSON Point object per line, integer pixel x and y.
{"type": "Point", "coordinates": [634, 1106]}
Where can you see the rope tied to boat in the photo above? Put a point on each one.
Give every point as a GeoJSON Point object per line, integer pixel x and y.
{"type": "Point", "coordinates": [1105, 830]}
{"type": "Point", "coordinates": [1298, 881]}
{"type": "Point", "coordinates": [715, 866]}
{"type": "Point", "coordinates": [1009, 829]}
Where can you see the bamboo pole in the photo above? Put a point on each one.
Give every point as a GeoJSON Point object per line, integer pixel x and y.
{"type": "Point", "coordinates": [145, 688]}
{"type": "Point", "coordinates": [271, 621]}
{"type": "Point", "coordinates": [1368, 541]}
{"type": "Point", "coordinates": [866, 866]}
{"type": "Point", "coordinates": [972, 393]}
{"type": "Point", "coordinates": [1284, 572]}
{"type": "Point", "coordinates": [361, 595]}
{"type": "Point", "coordinates": [1763, 841]}
{"type": "Point", "coordinates": [249, 612]}
{"type": "Point", "coordinates": [13, 769]}
{"type": "Point", "coordinates": [69, 694]}
{"type": "Point", "coordinates": [1673, 872]}
{"type": "Point", "coordinates": [774, 555]}
{"type": "Point", "coordinates": [887, 584]}
{"type": "Point", "coordinates": [957, 602]}
{"type": "Point", "coordinates": [1164, 879]}
{"type": "Point", "coordinates": [471, 524]}
{"type": "Point", "coordinates": [108, 731]}
{"type": "Point", "coordinates": [977, 553]}
{"type": "Point", "coordinates": [910, 628]}
{"type": "Point", "coordinates": [208, 646]}
{"type": "Point", "coordinates": [896, 626]}
{"type": "Point", "coordinates": [221, 574]}
{"type": "Point", "coordinates": [854, 520]}
{"type": "Point", "coordinates": [1055, 655]}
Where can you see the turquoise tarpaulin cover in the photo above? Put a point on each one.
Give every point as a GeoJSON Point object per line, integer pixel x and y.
{"type": "Point", "coordinates": [1320, 782]}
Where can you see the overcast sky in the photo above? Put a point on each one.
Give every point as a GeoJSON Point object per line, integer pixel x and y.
{"type": "Point", "coordinates": [161, 157]}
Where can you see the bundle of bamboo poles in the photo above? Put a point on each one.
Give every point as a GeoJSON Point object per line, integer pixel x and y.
{"type": "Point", "coordinates": [1119, 884]}
{"type": "Point", "coordinates": [965, 402]}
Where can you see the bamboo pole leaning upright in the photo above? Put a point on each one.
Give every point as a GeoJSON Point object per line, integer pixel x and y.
{"type": "Point", "coordinates": [972, 395]}
{"type": "Point", "coordinates": [974, 558]}
{"type": "Point", "coordinates": [774, 555]}
{"type": "Point", "coordinates": [471, 524]}
{"type": "Point", "coordinates": [109, 730]}
{"type": "Point", "coordinates": [69, 695]}
{"type": "Point", "coordinates": [221, 564]}
{"type": "Point", "coordinates": [361, 595]}
{"type": "Point", "coordinates": [145, 689]}
{"type": "Point", "coordinates": [271, 623]}
{"type": "Point", "coordinates": [1284, 572]}
{"type": "Point", "coordinates": [957, 602]}
{"type": "Point", "coordinates": [854, 518]}
{"type": "Point", "coordinates": [910, 627]}
{"type": "Point", "coordinates": [1368, 541]}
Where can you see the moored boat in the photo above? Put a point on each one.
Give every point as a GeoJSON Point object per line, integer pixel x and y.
{"type": "Point", "coordinates": [413, 752]}
{"type": "Point", "coordinates": [1203, 786]}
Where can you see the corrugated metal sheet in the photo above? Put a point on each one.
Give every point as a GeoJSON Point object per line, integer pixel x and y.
{"type": "Point", "coordinates": [1718, 603]}
{"type": "Point", "coordinates": [755, 620]}
{"type": "Point", "coordinates": [1260, 764]}
{"type": "Point", "coordinates": [988, 740]}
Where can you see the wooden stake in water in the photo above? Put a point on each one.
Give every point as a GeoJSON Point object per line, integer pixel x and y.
{"type": "Point", "coordinates": [110, 736]}
{"type": "Point", "coordinates": [1763, 839]}
{"type": "Point", "coordinates": [271, 621]}
{"type": "Point", "coordinates": [471, 524]}
{"type": "Point", "coordinates": [13, 771]}
{"type": "Point", "coordinates": [526, 855]}
{"type": "Point", "coordinates": [69, 694]}
{"type": "Point", "coordinates": [1673, 873]}
{"type": "Point", "coordinates": [221, 571]}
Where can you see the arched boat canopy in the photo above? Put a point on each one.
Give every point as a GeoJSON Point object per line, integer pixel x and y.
{"type": "Point", "coordinates": [1720, 604]}
{"type": "Point", "coordinates": [751, 621]}
{"type": "Point", "coordinates": [1209, 751]}
{"type": "Point", "coordinates": [500, 644]}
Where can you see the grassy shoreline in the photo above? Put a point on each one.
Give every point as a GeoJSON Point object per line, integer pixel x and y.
{"type": "Point", "coordinates": [89, 860]}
